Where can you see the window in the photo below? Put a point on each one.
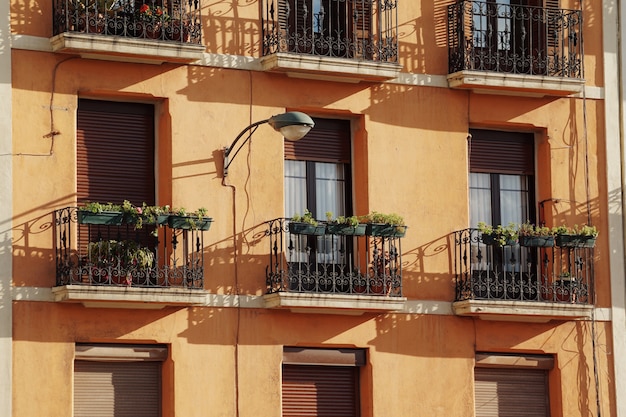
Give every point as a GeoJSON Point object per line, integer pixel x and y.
{"type": "Point", "coordinates": [115, 160]}
{"type": "Point", "coordinates": [115, 152]}
{"type": "Point", "coordinates": [512, 35]}
{"type": "Point", "coordinates": [507, 385]}
{"type": "Point", "coordinates": [317, 178]}
{"type": "Point", "coordinates": [321, 382]}
{"type": "Point", "coordinates": [338, 28]}
{"type": "Point", "coordinates": [501, 177]}
{"type": "Point", "coordinates": [118, 380]}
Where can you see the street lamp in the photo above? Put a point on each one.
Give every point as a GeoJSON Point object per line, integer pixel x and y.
{"type": "Point", "coordinates": [293, 125]}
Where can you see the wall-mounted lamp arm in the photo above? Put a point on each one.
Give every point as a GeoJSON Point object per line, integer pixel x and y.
{"type": "Point", "coordinates": [229, 150]}
{"type": "Point", "coordinates": [292, 125]}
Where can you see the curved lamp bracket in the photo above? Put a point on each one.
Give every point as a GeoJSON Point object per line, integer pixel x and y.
{"type": "Point", "coordinates": [292, 125]}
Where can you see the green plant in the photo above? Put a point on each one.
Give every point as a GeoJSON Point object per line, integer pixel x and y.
{"type": "Point", "coordinates": [502, 235]}
{"type": "Point", "coordinates": [137, 256]}
{"type": "Point", "coordinates": [95, 207]}
{"type": "Point", "coordinates": [392, 219]}
{"type": "Point", "coordinates": [582, 230]}
{"type": "Point", "coordinates": [307, 217]}
{"type": "Point", "coordinates": [347, 220]}
{"type": "Point", "coordinates": [529, 229]}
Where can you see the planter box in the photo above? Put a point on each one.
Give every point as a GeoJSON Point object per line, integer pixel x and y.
{"type": "Point", "coordinates": [537, 241]}
{"type": "Point", "coordinates": [575, 241]}
{"type": "Point", "coordinates": [345, 229]}
{"type": "Point", "coordinates": [494, 240]}
{"type": "Point", "coordinates": [385, 230]}
{"type": "Point", "coordinates": [106, 218]}
{"type": "Point", "coordinates": [189, 222]}
{"type": "Point", "coordinates": [307, 229]}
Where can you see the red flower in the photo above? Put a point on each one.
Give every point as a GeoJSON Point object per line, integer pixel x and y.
{"type": "Point", "coordinates": [144, 8]}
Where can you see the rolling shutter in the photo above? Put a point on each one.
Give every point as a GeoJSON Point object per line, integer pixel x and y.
{"type": "Point", "coordinates": [320, 391]}
{"type": "Point", "coordinates": [502, 152]}
{"type": "Point", "coordinates": [328, 141]}
{"type": "Point", "coordinates": [118, 381]}
{"type": "Point", "coordinates": [321, 382]}
{"type": "Point", "coordinates": [511, 392]}
{"type": "Point", "coordinates": [115, 152]}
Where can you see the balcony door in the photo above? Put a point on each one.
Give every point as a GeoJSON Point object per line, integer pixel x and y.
{"type": "Point", "coordinates": [317, 178]}
{"type": "Point", "coordinates": [340, 28]}
{"type": "Point", "coordinates": [501, 183]}
{"type": "Point", "coordinates": [510, 36]}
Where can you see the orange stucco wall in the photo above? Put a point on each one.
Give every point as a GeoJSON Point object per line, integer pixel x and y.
{"type": "Point", "coordinates": [410, 157]}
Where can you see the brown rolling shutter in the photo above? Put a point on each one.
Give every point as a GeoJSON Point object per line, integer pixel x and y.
{"type": "Point", "coordinates": [511, 392]}
{"type": "Point", "coordinates": [117, 389]}
{"type": "Point", "coordinates": [328, 141]}
{"type": "Point", "coordinates": [320, 391]}
{"type": "Point", "coordinates": [115, 152]}
{"type": "Point", "coordinates": [502, 152]}
{"type": "Point", "coordinates": [118, 380]}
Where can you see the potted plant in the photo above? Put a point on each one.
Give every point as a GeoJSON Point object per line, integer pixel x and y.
{"type": "Point", "coordinates": [576, 237]}
{"type": "Point", "coordinates": [181, 219]}
{"type": "Point", "coordinates": [384, 225]}
{"type": "Point", "coordinates": [531, 235]}
{"type": "Point", "coordinates": [343, 225]}
{"type": "Point", "coordinates": [108, 214]}
{"type": "Point", "coordinates": [499, 235]}
{"type": "Point", "coordinates": [306, 225]}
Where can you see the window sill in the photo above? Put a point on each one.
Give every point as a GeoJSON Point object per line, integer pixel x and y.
{"type": "Point", "coordinates": [515, 84]}
{"type": "Point", "coordinates": [128, 297]}
{"type": "Point", "coordinates": [330, 69]}
{"type": "Point", "coordinates": [115, 48]}
{"type": "Point", "coordinates": [521, 311]}
{"type": "Point", "coordinates": [333, 303]}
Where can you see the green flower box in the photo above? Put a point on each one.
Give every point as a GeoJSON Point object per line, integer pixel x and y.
{"type": "Point", "coordinates": [345, 229]}
{"type": "Point", "coordinates": [385, 230]}
{"type": "Point", "coordinates": [575, 241]}
{"type": "Point", "coordinates": [298, 228]}
{"type": "Point", "coordinates": [537, 241]}
{"type": "Point", "coordinates": [494, 240]}
{"type": "Point", "coordinates": [103, 218]}
{"type": "Point", "coordinates": [189, 222]}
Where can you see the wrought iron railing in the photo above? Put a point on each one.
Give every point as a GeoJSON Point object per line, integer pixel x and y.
{"type": "Point", "coordinates": [550, 274]}
{"type": "Point", "coordinates": [354, 29]}
{"type": "Point", "coordinates": [332, 264]}
{"type": "Point", "coordinates": [507, 38]}
{"type": "Point", "coordinates": [152, 256]}
{"type": "Point", "coordinates": [164, 20]}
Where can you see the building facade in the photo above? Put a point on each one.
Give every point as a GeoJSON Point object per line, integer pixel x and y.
{"type": "Point", "coordinates": [457, 116]}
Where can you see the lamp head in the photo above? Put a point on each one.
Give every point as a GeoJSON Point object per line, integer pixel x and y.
{"type": "Point", "coordinates": [293, 125]}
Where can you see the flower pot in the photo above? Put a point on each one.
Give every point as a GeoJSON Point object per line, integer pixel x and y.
{"type": "Point", "coordinates": [565, 290]}
{"type": "Point", "coordinates": [189, 222]}
{"type": "Point", "coordinates": [537, 241]}
{"type": "Point", "coordinates": [307, 229]}
{"type": "Point", "coordinates": [345, 229]}
{"type": "Point", "coordinates": [495, 240]}
{"type": "Point", "coordinates": [575, 241]}
{"type": "Point", "coordinates": [385, 230]}
{"type": "Point", "coordinates": [108, 218]}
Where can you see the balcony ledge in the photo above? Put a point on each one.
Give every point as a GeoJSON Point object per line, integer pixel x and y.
{"type": "Point", "coordinates": [128, 297]}
{"type": "Point", "coordinates": [484, 82]}
{"type": "Point", "coordinates": [330, 69]}
{"type": "Point", "coordinates": [116, 48]}
{"type": "Point", "coordinates": [521, 311]}
{"type": "Point", "coordinates": [333, 303]}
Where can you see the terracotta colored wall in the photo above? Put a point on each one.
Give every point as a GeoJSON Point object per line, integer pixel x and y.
{"type": "Point", "coordinates": [410, 153]}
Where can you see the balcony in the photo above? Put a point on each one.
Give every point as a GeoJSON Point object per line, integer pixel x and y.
{"type": "Point", "coordinates": [521, 283]}
{"type": "Point", "coordinates": [500, 48]}
{"type": "Point", "coordinates": [147, 31]}
{"type": "Point", "coordinates": [340, 40]}
{"type": "Point", "coordinates": [123, 266]}
{"type": "Point", "coordinates": [332, 273]}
